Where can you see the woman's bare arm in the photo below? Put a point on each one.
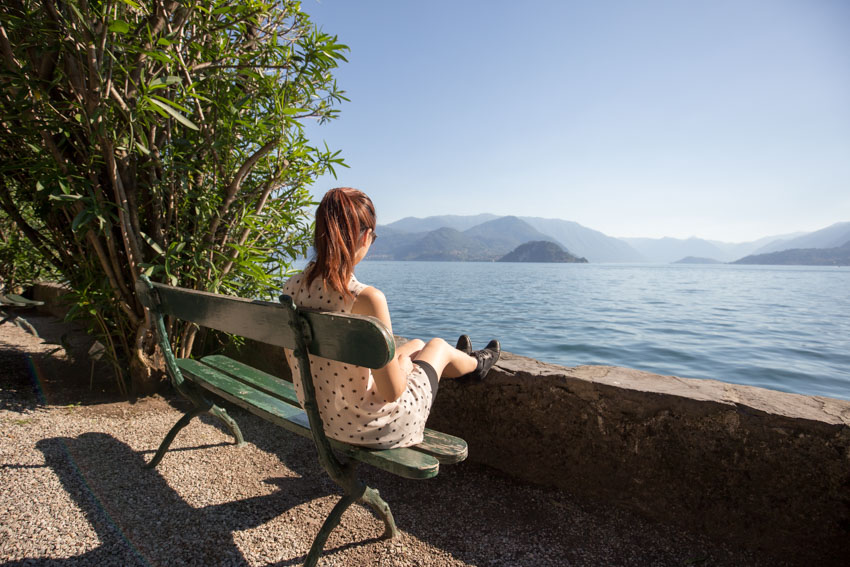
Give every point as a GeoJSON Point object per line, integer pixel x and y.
{"type": "Point", "coordinates": [391, 380]}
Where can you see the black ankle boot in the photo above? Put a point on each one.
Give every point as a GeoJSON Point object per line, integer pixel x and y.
{"type": "Point", "coordinates": [464, 344]}
{"type": "Point", "coordinates": [486, 358]}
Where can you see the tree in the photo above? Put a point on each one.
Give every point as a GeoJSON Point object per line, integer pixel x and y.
{"type": "Point", "coordinates": [161, 137]}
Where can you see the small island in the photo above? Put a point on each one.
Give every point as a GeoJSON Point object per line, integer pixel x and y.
{"type": "Point", "coordinates": [697, 260]}
{"type": "Point", "coordinates": [541, 251]}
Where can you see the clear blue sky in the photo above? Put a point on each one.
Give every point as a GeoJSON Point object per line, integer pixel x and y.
{"type": "Point", "coordinates": [723, 119]}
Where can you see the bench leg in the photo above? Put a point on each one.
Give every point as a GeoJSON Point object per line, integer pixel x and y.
{"type": "Point", "coordinates": [229, 422]}
{"type": "Point", "coordinates": [26, 326]}
{"type": "Point", "coordinates": [382, 509]}
{"type": "Point", "coordinates": [365, 495]}
{"type": "Point", "coordinates": [331, 522]}
{"type": "Point", "coordinates": [184, 421]}
{"type": "Point", "coordinates": [163, 447]}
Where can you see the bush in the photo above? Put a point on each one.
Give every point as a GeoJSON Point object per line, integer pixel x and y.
{"type": "Point", "coordinates": [165, 138]}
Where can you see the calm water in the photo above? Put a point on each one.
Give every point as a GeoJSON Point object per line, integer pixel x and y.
{"type": "Point", "coordinates": [785, 328]}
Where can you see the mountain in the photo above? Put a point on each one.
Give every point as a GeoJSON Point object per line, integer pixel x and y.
{"type": "Point", "coordinates": [577, 239]}
{"type": "Point", "coordinates": [583, 241]}
{"type": "Point", "coordinates": [488, 237]}
{"type": "Point", "coordinates": [667, 250]}
{"type": "Point", "coordinates": [390, 241]}
{"type": "Point", "coordinates": [836, 256]}
{"type": "Point", "coordinates": [735, 250]}
{"type": "Point", "coordinates": [457, 222]}
{"type": "Point", "coordinates": [833, 236]}
{"type": "Point", "coordinates": [444, 245]}
{"type": "Point", "coordinates": [486, 241]}
{"type": "Point", "coordinates": [504, 234]}
{"type": "Point", "coordinates": [541, 251]}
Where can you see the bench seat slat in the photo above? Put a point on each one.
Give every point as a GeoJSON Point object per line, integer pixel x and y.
{"type": "Point", "coordinates": [23, 300]}
{"type": "Point", "coordinates": [264, 381]}
{"type": "Point", "coordinates": [448, 449]}
{"type": "Point", "coordinates": [404, 462]}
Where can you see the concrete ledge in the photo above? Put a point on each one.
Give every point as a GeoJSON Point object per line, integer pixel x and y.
{"type": "Point", "coordinates": [758, 468]}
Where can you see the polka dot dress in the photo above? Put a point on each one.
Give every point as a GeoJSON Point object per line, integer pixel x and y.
{"type": "Point", "coordinates": [351, 408]}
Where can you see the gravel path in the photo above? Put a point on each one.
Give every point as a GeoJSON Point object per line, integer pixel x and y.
{"type": "Point", "coordinates": [74, 491]}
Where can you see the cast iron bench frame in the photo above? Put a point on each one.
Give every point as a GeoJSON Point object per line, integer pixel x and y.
{"type": "Point", "coordinates": [353, 339]}
{"type": "Point", "coordinates": [11, 305]}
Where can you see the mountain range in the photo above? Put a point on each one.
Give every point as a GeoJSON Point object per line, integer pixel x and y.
{"type": "Point", "coordinates": [487, 237]}
{"type": "Point", "coordinates": [835, 256]}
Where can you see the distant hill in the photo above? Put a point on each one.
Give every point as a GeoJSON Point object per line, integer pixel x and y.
{"type": "Point", "coordinates": [541, 251]}
{"type": "Point", "coordinates": [735, 250]}
{"type": "Point", "coordinates": [667, 250]}
{"type": "Point", "coordinates": [837, 256]}
{"type": "Point", "coordinates": [504, 234]}
{"type": "Point", "coordinates": [697, 260]}
{"type": "Point", "coordinates": [583, 241]}
{"type": "Point", "coordinates": [833, 236]}
{"type": "Point", "coordinates": [444, 245]}
{"type": "Point", "coordinates": [487, 241]}
{"type": "Point", "coordinates": [427, 224]}
{"type": "Point", "coordinates": [392, 241]}
{"type": "Point", "coordinates": [488, 237]}
{"type": "Point", "coordinates": [579, 240]}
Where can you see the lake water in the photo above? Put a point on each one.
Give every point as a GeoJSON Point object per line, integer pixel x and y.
{"type": "Point", "coordinates": [780, 327]}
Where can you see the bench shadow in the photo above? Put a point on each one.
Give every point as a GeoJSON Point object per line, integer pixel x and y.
{"type": "Point", "coordinates": [124, 504]}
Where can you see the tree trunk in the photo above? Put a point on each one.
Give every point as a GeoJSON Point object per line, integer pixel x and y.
{"type": "Point", "coordinates": [147, 365]}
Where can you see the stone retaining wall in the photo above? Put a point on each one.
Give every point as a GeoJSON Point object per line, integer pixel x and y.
{"type": "Point", "coordinates": [755, 467]}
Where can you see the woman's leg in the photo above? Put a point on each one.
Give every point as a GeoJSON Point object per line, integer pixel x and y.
{"type": "Point", "coordinates": [448, 361]}
{"type": "Point", "coordinates": [411, 348]}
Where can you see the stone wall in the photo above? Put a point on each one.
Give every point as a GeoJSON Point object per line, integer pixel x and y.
{"type": "Point", "coordinates": [758, 468]}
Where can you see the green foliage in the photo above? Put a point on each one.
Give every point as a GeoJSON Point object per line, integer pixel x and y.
{"type": "Point", "coordinates": [20, 264]}
{"type": "Point", "coordinates": [165, 138]}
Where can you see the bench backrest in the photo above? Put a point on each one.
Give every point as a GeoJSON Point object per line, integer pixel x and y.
{"type": "Point", "coordinates": [353, 339]}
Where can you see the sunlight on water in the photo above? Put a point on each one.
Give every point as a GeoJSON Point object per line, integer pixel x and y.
{"type": "Point", "coordinates": [780, 327]}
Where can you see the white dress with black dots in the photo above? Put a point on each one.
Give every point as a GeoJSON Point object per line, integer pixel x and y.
{"type": "Point", "coordinates": [351, 408]}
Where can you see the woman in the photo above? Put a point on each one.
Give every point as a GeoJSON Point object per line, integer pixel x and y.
{"type": "Point", "coordinates": [385, 407]}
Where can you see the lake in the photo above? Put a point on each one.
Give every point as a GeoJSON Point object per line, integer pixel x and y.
{"type": "Point", "coordinates": [780, 327]}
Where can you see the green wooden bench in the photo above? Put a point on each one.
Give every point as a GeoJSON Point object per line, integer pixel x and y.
{"type": "Point", "coordinates": [354, 339]}
{"type": "Point", "coordinates": [11, 306]}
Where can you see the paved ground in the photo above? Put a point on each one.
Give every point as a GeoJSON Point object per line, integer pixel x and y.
{"type": "Point", "coordinates": [74, 491]}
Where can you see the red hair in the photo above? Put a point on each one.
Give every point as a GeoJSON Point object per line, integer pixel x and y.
{"type": "Point", "coordinates": [341, 219]}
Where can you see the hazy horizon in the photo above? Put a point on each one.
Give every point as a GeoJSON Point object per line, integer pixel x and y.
{"type": "Point", "coordinates": [721, 120]}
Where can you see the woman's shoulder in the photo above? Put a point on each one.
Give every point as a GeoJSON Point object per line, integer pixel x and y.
{"type": "Point", "coordinates": [370, 301]}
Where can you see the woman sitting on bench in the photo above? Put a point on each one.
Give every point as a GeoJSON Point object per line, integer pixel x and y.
{"type": "Point", "coordinates": [385, 407]}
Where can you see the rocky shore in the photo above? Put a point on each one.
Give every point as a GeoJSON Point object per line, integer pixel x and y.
{"type": "Point", "coordinates": [75, 493]}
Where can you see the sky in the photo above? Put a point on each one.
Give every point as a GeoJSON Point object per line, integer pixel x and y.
{"type": "Point", "coordinates": [721, 119]}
